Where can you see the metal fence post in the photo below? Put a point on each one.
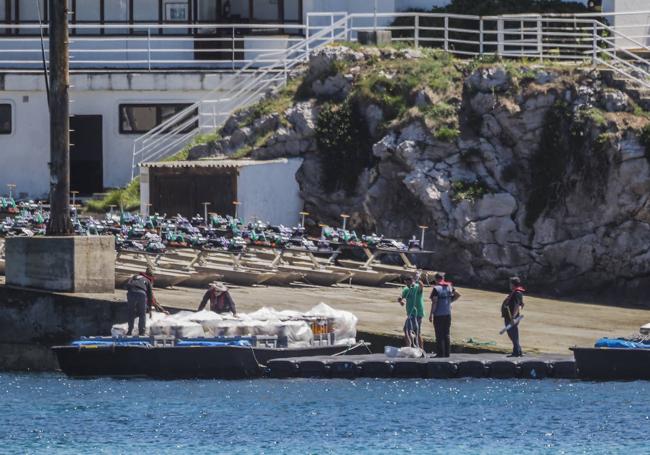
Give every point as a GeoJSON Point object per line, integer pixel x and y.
{"type": "Point", "coordinates": [308, 34]}
{"type": "Point", "coordinates": [232, 48]}
{"type": "Point", "coordinates": [522, 39]}
{"type": "Point", "coordinates": [500, 36]}
{"type": "Point", "coordinates": [540, 39]}
{"type": "Point", "coordinates": [481, 36]}
{"type": "Point", "coordinates": [417, 31]}
{"type": "Point", "coordinates": [149, 48]}
{"type": "Point", "coordinates": [446, 33]}
{"type": "Point", "coordinates": [594, 42]}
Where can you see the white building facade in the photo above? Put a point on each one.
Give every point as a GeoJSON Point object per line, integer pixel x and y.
{"type": "Point", "coordinates": [135, 63]}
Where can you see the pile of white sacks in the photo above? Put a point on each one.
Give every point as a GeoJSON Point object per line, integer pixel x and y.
{"type": "Point", "coordinates": [265, 321]}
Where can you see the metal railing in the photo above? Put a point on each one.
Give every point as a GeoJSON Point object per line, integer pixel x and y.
{"type": "Point", "coordinates": [151, 46]}
{"type": "Point", "coordinates": [582, 38]}
{"type": "Point", "coordinates": [229, 46]}
{"type": "Point", "coordinates": [268, 72]}
{"type": "Point", "coordinates": [535, 37]}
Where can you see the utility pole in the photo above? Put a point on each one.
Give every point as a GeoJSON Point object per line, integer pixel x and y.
{"type": "Point", "coordinates": [60, 223]}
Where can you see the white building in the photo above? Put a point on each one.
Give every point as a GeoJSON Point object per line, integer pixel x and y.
{"type": "Point", "coordinates": [135, 63]}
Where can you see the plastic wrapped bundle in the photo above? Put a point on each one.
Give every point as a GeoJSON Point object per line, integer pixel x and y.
{"type": "Point", "coordinates": [203, 316]}
{"type": "Point", "coordinates": [344, 323]}
{"type": "Point", "coordinates": [221, 328]}
{"type": "Point", "coordinates": [177, 328]}
{"type": "Point", "coordinates": [298, 333]}
{"type": "Point", "coordinates": [269, 314]}
{"type": "Point", "coordinates": [119, 330]}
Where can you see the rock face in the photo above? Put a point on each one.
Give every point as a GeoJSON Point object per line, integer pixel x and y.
{"type": "Point", "coordinates": [477, 190]}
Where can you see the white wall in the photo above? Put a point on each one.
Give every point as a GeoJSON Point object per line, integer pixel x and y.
{"type": "Point", "coordinates": [25, 153]}
{"type": "Point", "coordinates": [270, 192]}
{"type": "Point", "coordinates": [635, 26]}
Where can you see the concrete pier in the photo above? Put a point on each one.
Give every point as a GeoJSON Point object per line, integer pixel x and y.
{"type": "Point", "coordinates": [62, 264]}
{"type": "Point", "coordinates": [32, 321]}
{"type": "Point", "coordinates": [496, 366]}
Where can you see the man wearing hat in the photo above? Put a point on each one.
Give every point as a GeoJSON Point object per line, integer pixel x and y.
{"type": "Point", "coordinates": [139, 293]}
{"type": "Point", "coordinates": [220, 299]}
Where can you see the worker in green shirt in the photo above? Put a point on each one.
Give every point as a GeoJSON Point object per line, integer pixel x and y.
{"type": "Point", "coordinates": [413, 297]}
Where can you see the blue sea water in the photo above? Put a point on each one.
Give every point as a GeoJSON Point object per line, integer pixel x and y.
{"type": "Point", "coordinates": [53, 414]}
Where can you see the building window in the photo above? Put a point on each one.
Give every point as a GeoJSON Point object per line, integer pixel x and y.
{"type": "Point", "coordinates": [140, 118]}
{"type": "Point", "coordinates": [5, 118]}
{"type": "Point", "coordinates": [116, 12]}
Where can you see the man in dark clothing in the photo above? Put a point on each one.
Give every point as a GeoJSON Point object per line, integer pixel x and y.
{"type": "Point", "coordinates": [510, 311]}
{"type": "Point", "coordinates": [442, 296]}
{"type": "Point", "coordinates": [139, 293]}
{"type": "Point", "coordinates": [220, 299]}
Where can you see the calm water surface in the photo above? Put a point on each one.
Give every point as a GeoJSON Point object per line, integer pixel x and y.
{"type": "Point", "coordinates": [53, 414]}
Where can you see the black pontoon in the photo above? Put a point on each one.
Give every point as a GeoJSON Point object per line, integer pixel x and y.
{"type": "Point", "coordinates": [219, 358]}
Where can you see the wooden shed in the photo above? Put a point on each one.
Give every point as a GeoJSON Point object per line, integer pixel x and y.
{"type": "Point", "coordinates": [266, 190]}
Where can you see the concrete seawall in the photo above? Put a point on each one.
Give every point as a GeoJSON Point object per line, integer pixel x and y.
{"type": "Point", "coordinates": [32, 321]}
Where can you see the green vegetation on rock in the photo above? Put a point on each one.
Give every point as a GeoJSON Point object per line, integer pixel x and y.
{"type": "Point", "coordinates": [644, 138]}
{"type": "Point", "coordinates": [343, 146]}
{"type": "Point", "coordinates": [568, 158]}
{"type": "Point", "coordinates": [201, 139]}
{"type": "Point", "coordinates": [392, 84]}
{"type": "Point", "coordinates": [127, 198]}
{"type": "Point", "coordinates": [446, 134]}
{"type": "Point", "coordinates": [275, 104]}
{"type": "Point", "coordinates": [468, 191]}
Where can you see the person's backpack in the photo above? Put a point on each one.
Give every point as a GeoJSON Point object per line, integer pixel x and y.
{"type": "Point", "coordinates": [137, 283]}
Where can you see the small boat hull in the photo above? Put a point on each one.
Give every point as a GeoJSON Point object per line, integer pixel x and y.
{"type": "Point", "coordinates": [283, 278]}
{"type": "Point", "coordinates": [365, 277]}
{"type": "Point", "coordinates": [222, 362]}
{"type": "Point", "coordinates": [240, 277]}
{"type": "Point", "coordinates": [612, 363]}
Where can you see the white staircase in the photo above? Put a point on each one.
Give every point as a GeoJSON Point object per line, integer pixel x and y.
{"type": "Point", "coordinates": [244, 88]}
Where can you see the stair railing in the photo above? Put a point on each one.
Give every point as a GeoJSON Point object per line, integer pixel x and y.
{"type": "Point", "coordinates": [252, 82]}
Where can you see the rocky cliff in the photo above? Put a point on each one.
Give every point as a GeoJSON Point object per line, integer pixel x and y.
{"type": "Point", "coordinates": [519, 168]}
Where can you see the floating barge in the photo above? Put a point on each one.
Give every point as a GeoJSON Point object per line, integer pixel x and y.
{"type": "Point", "coordinates": [612, 363]}
{"type": "Point", "coordinates": [204, 359]}
{"type": "Point", "coordinates": [457, 366]}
